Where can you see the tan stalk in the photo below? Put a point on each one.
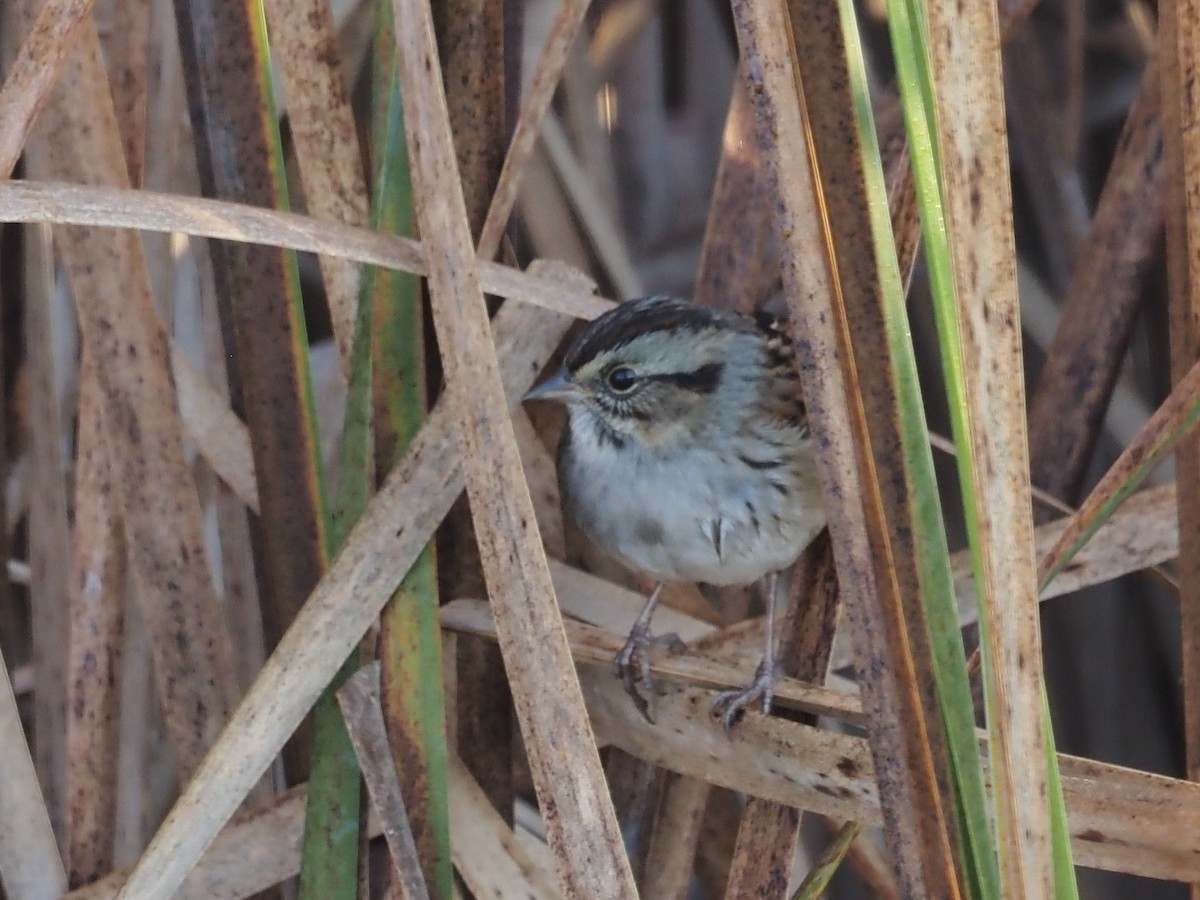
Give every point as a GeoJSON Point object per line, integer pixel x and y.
{"type": "Point", "coordinates": [127, 53]}
{"type": "Point", "coordinates": [475, 67]}
{"type": "Point", "coordinates": [529, 122]}
{"type": "Point", "coordinates": [97, 597]}
{"type": "Point", "coordinates": [358, 699]}
{"type": "Point", "coordinates": [85, 205]}
{"type": "Point", "coordinates": [1120, 820]}
{"type": "Point", "coordinates": [486, 853]}
{"type": "Point", "coordinates": [397, 525]}
{"type": "Point", "coordinates": [965, 49]}
{"type": "Point", "coordinates": [769, 832]}
{"type": "Point", "coordinates": [1179, 43]}
{"type": "Point", "coordinates": [49, 528]}
{"type": "Point", "coordinates": [307, 54]}
{"type": "Point", "coordinates": [1102, 302]}
{"type": "Point", "coordinates": [29, 855]}
{"type": "Point", "coordinates": [33, 73]}
{"type": "Point", "coordinates": [580, 823]}
{"type": "Point", "coordinates": [262, 849]}
{"type": "Point", "coordinates": [918, 830]}
{"type": "Point", "coordinates": [160, 508]}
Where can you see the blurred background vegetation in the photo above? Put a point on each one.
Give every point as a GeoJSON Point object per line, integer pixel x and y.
{"type": "Point", "coordinates": [648, 113]}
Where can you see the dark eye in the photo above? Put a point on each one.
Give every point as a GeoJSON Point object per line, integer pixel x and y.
{"type": "Point", "coordinates": [622, 379]}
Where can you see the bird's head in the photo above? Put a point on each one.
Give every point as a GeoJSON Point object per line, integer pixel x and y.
{"type": "Point", "coordinates": [655, 370]}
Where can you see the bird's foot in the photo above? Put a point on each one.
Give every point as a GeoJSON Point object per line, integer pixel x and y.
{"type": "Point", "coordinates": [632, 664]}
{"type": "Point", "coordinates": [732, 705]}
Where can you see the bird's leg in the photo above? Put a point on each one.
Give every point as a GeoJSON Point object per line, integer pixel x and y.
{"type": "Point", "coordinates": [635, 655]}
{"type": "Point", "coordinates": [731, 705]}
{"type": "Point", "coordinates": [766, 674]}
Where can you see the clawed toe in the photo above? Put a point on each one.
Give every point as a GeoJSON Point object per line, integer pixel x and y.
{"type": "Point", "coordinates": [632, 666]}
{"type": "Point", "coordinates": [732, 705]}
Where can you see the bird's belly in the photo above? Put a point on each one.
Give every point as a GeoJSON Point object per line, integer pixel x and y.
{"type": "Point", "coordinates": [670, 521]}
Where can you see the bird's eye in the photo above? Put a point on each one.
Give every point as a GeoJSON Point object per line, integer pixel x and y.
{"type": "Point", "coordinates": [622, 379]}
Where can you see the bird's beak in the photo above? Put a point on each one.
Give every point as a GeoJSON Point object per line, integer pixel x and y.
{"type": "Point", "coordinates": [557, 387]}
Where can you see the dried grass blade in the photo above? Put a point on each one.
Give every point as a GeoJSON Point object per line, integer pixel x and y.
{"type": "Point", "coordinates": [564, 764]}
{"type": "Point", "coordinates": [599, 223]}
{"type": "Point", "coordinates": [239, 151]}
{"type": "Point", "coordinates": [30, 865]}
{"type": "Point", "coordinates": [1179, 38]}
{"type": "Point", "coordinates": [121, 208]}
{"type": "Point", "coordinates": [220, 436]}
{"type": "Point", "coordinates": [358, 698]}
{"type": "Point", "coordinates": [230, 102]}
{"type": "Point", "coordinates": [307, 54]}
{"type": "Point", "coordinates": [795, 765]}
{"type": "Point", "coordinates": [398, 523]}
{"type": "Point", "coordinates": [49, 531]}
{"type": "Point", "coordinates": [591, 644]}
{"type": "Point", "coordinates": [918, 839]}
{"type": "Point", "coordinates": [250, 855]}
{"type": "Point", "coordinates": [140, 737]}
{"type": "Point", "coordinates": [487, 854]}
{"type": "Point", "coordinates": [128, 57]}
{"type": "Point", "coordinates": [470, 37]}
{"type": "Point", "coordinates": [242, 605]}
{"type": "Point", "coordinates": [963, 175]}
{"type": "Point", "coordinates": [327, 628]}
{"type": "Point", "coordinates": [872, 287]}
{"type": "Point", "coordinates": [1102, 302]}
{"type": "Point", "coordinates": [160, 508]}
{"type": "Point", "coordinates": [1170, 423]}
{"type": "Point", "coordinates": [671, 855]}
{"type": "Point", "coordinates": [770, 832]}
{"type": "Point", "coordinates": [97, 598]}
{"type": "Point", "coordinates": [730, 274]}
{"type": "Point", "coordinates": [529, 122]}
{"type": "Point", "coordinates": [1121, 820]}
{"type": "Point", "coordinates": [32, 74]}
{"type": "Point", "coordinates": [1142, 533]}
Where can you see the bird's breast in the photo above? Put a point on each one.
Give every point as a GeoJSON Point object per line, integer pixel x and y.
{"type": "Point", "coordinates": [693, 515]}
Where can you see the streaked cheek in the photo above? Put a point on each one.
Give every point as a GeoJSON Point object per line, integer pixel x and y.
{"type": "Point", "coordinates": [674, 407]}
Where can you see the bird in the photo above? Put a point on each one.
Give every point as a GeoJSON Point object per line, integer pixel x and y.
{"type": "Point", "coordinates": [687, 456]}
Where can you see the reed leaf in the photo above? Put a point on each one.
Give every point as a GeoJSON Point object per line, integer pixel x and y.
{"type": "Point", "coordinates": [818, 878]}
{"type": "Point", "coordinates": [410, 644]}
{"type": "Point", "coordinates": [917, 89]}
{"type": "Point", "coordinates": [933, 554]}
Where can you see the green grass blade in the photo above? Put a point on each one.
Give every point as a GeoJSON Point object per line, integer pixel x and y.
{"type": "Point", "coordinates": [331, 834]}
{"type": "Point", "coordinates": [817, 880]}
{"type": "Point", "coordinates": [329, 856]}
{"type": "Point", "coordinates": [333, 810]}
{"type": "Point", "coordinates": [933, 563]}
{"type": "Point", "coordinates": [414, 704]}
{"type": "Point", "coordinates": [906, 23]}
{"type": "Point", "coordinates": [330, 849]}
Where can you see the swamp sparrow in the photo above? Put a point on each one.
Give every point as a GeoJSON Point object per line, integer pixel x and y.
{"type": "Point", "coordinates": [686, 455]}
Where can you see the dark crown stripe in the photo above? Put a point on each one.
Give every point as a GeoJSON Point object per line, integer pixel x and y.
{"type": "Point", "coordinates": [632, 318]}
